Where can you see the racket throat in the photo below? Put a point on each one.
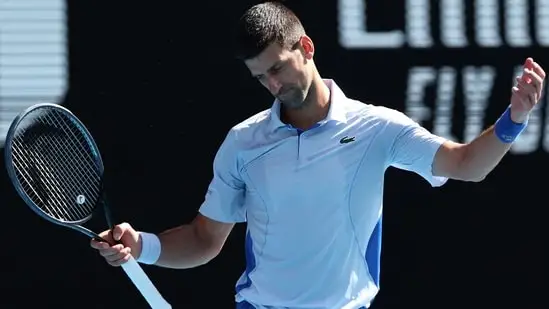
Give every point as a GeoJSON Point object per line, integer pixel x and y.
{"type": "Point", "coordinates": [87, 232]}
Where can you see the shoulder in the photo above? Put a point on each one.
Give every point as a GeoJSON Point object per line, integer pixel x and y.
{"type": "Point", "coordinates": [378, 116]}
{"type": "Point", "coordinates": [253, 122]}
{"type": "Point", "coordinates": [247, 130]}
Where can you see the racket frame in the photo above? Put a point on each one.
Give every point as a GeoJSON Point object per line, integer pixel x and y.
{"type": "Point", "coordinates": [75, 225]}
{"type": "Point", "coordinates": [131, 267]}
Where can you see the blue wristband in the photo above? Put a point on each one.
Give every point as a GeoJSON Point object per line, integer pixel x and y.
{"type": "Point", "coordinates": [507, 130]}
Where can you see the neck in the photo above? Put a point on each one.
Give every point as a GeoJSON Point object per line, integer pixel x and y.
{"type": "Point", "coordinates": [315, 108]}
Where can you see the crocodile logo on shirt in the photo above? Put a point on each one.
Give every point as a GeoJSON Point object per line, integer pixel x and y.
{"type": "Point", "coordinates": [346, 140]}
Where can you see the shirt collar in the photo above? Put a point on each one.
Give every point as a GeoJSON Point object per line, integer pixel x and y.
{"type": "Point", "coordinates": [336, 112]}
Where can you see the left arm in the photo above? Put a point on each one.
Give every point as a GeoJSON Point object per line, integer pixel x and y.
{"type": "Point", "coordinates": [475, 160]}
{"type": "Point", "coordinates": [472, 161]}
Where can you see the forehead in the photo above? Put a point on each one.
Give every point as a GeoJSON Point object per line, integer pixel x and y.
{"type": "Point", "coordinates": [267, 58]}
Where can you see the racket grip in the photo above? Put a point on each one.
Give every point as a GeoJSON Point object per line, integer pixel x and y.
{"type": "Point", "coordinates": [144, 285]}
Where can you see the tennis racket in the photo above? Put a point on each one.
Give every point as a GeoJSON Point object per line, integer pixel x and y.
{"type": "Point", "coordinates": [55, 166]}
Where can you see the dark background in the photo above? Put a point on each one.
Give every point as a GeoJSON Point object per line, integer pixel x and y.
{"type": "Point", "coordinates": [157, 86]}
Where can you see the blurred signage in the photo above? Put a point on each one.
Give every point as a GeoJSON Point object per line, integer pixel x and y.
{"type": "Point", "coordinates": [498, 25]}
{"type": "Point", "coordinates": [33, 56]}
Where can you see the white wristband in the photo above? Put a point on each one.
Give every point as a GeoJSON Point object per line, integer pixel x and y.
{"type": "Point", "coordinates": [150, 248]}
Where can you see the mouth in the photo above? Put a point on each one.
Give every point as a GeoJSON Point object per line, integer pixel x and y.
{"type": "Point", "coordinates": [283, 92]}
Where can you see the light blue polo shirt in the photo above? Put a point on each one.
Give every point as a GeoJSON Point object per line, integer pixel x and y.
{"type": "Point", "coordinates": [313, 200]}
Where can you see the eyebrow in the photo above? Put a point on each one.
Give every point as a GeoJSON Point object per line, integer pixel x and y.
{"type": "Point", "coordinates": [277, 63]}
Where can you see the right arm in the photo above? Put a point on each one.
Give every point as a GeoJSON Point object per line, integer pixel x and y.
{"type": "Point", "coordinates": [185, 246]}
{"type": "Point", "coordinates": [193, 244]}
{"type": "Point", "coordinates": [200, 241]}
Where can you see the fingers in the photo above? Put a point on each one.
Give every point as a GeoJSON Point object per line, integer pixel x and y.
{"type": "Point", "coordinates": [529, 63]}
{"type": "Point", "coordinates": [534, 66]}
{"type": "Point", "coordinates": [108, 252]}
{"type": "Point", "coordinates": [98, 244]}
{"type": "Point", "coordinates": [114, 235]}
{"type": "Point", "coordinates": [120, 261]}
{"type": "Point", "coordinates": [526, 92]}
{"type": "Point", "coordinates": [539, 70]}
{"type": "Point", "coordinates": [533, 73]}
{"type": "Point", "coordinates": [529, 83]}
{"type": "Point", "coordinates": [529, 86]}
{"type": "Point", "coordinates": [119, 230]}
{"type": "Point", "coordinates": [115, 254]}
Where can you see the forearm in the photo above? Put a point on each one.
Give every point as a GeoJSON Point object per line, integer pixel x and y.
{"type": "Point", "coordinates": [183, 248]}
{"type": "Point", "coordinates": [482, 155]}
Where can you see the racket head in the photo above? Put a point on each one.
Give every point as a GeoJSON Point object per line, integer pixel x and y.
{"type": "Point", "coordinates": [54, 164]}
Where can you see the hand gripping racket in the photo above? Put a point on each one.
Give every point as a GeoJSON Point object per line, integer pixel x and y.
{"type": "Point", "coordinates": [55, 166]}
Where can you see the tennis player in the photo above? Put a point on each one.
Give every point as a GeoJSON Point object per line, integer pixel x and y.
{"type": "Point", "coordinates": [307, 176]}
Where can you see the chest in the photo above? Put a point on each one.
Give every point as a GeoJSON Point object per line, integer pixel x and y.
{"type": "Point", "coordinates": [310, 173]}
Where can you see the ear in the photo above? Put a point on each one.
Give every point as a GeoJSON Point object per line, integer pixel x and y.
{"type": "Point", "coordinates": [307, 46]}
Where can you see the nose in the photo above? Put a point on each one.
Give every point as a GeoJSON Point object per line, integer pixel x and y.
{"type": "Point", "coordinates": [273, 85]}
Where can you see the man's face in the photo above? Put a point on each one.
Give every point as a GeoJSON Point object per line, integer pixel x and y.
{"type": "Point", "coordinates": [285, 73]}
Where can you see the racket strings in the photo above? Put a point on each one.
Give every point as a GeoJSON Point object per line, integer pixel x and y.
{"type": "Point", "coordinates": [56, 166]}
{"type": "Point", "coordinates": [76, 151]}
{"type": "Point", "coordinates": [35, 189]}
{"type": "Point", "coordinates": [51, 191]}
{"type": "Point", "coordinates": [91, 174]}
{"type": "Point", "coordinates": [52, 170]}
{"type": "Point", "coordinates": [50, 182]}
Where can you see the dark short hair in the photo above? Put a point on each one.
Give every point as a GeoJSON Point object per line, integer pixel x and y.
{"type": "Point", "coordinates": [263, 24]}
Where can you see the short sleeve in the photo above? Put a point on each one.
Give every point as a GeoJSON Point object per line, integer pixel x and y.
{"type": "Point", "coordinates": [414, 148]}
{"type": "Point", "coordinates": [224, 200]}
